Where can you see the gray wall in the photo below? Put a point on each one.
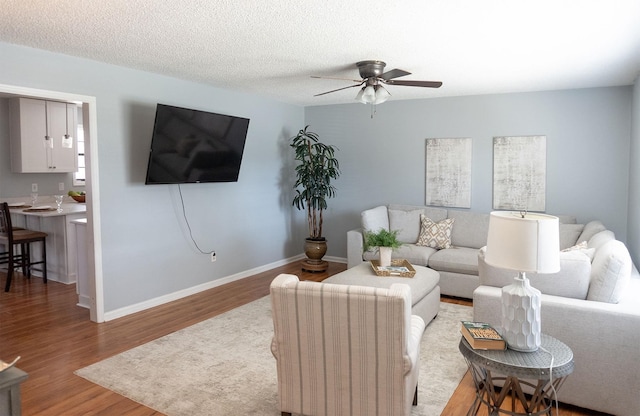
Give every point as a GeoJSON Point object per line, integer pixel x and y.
{"type": "Point", "coordinates": [147, 252]}
{"type": "Point", "coordinates": [633, 228]}
{"type": "Point", "coordinates": [383, 159]}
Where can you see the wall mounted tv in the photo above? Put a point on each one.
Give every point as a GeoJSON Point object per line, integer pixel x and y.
{"type": "Point", "coordinates": [193, 146]}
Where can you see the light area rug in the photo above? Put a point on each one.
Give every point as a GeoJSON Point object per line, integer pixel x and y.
{"type": "Point", "coordinates": [223, 366]}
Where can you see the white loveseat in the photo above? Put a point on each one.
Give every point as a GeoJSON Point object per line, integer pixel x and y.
{"type": "Point", "coordinates": [458, 264]}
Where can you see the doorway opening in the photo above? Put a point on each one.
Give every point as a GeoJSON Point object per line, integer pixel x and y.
{"type": "Point", "coordinates": [94, 250]}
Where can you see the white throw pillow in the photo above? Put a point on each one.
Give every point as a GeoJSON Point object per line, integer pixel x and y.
{"type": "Point", "coordinates": [435, 234]}
{"type": "Point", "coordinates": [582, 247]}
{"type": "Point", "coordinates": [407, 223]}
{"type": "Point", "coordinates": [600, 239]}
{"type": "Point", "coordinates": [610, 272]}
{"type": "Point", "coordinates": [590, 229]}
{"type": "Point", "coordinates": [375, 219]}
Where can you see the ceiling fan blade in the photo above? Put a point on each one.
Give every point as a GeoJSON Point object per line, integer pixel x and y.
{"type": "Point", "coordinates": [339, 89]}
{"type": "Point", "coordinates": [341, 79]}
{"type": "Point", "coordinates": [428, 84]}
{"type": "Point", "coordinates": [394, 73]}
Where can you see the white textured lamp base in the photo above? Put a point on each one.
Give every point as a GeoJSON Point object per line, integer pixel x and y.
{"type": "Point", "coordinates": [521, 315]}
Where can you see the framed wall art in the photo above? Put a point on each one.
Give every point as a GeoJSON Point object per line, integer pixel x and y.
{"type": "Point", "coordinates": [519, 173]}
{"type": "Point", "coordinates": [448, 172]}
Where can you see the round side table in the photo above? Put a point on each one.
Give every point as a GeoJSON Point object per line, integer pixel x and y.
{"type": "Point", "coordinates": [539, 374]}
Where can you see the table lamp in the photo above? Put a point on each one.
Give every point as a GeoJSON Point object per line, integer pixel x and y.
{"type": "Point", "coordinates": [524, 242]}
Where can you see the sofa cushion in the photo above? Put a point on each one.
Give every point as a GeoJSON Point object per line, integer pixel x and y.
{"type": "Point", "coordinates": [462, 260]}
{"type": "Point", "coordinates": [471, 229]}
{"type": "Point", "coordinates": [436, 214]}
{"type": "Point", "coordinates": [407, 223]}
{"type": "Point", "coordinates": [572, 281]}
{"type": "Point", "coordinates": [435, 234]}
{"type": "Point", "coordinates": [569, 234]}
{"type": "Point", "coordinates": [590, 229]}
{"type": "Point", "coordinates": [610, 272]}
{"type": "Point", "coordinates": [413, 253]}
{"type": "Point", "coordinates": [566, 219]}
{"type": "Point", "coordinates": [375, 219]}
{"type": "Point", "coordinates": [601, 239]}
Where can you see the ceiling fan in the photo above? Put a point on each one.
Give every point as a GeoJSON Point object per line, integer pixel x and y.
{"type": "Point", "coordinates": [373, 81]}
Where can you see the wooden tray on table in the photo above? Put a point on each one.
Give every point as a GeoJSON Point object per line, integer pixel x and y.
{"type": "Point", "coordinates": [398, 268]}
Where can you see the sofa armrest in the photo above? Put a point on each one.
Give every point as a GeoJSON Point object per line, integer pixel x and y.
{"type": "Point", "coordinates": [355, 247]}
{"type": "Point", "coordinates": [604, 338]}
{"type": "Point", "coordinates": [415, 337]}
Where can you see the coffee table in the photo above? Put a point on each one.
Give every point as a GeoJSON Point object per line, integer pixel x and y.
{"type": "Point", "coordinates": [425, 289]}
{"type": "Point", "coordinates": [531, 379]}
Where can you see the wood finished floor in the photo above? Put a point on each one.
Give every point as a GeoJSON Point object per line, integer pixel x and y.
{"type": "Point", "coordinates": [54, 337]}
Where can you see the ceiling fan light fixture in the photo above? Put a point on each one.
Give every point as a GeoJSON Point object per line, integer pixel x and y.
{"type": "Point", "coordinates": [382, 95]}
{"type": "Point", "coordinates": [373, 75]}
{"type": "Point", "coordinates": [369, 94]}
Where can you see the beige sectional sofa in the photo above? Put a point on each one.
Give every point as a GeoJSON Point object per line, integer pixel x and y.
{"type": "Point", "coordinates": [592, 304]}
{"type": "Point", "coordinates": [458, 264]}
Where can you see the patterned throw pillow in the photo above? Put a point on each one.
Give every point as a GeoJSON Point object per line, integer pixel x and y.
{"type": "Point", "coordinates": [435, 234]}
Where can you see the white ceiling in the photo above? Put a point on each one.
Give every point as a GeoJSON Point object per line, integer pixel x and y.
{"type": "Point", "coordinates": [272, 48]}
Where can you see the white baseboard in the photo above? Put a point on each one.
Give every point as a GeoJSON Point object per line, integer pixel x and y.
{"type": "Point", "coordinates": [138, 307]}
{"type": "Point", "coordinates": [334, 259]}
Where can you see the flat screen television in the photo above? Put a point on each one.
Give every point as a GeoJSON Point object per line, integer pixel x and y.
{"type": "Point", "coordinates": [193, 146]}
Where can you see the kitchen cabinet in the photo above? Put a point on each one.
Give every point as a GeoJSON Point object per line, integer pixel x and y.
{"type": "Point", "coordinates": [43, 136]}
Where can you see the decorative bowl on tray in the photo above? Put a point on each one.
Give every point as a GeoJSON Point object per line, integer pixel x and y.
{"type": "Point", "coordinates": [78, 198]}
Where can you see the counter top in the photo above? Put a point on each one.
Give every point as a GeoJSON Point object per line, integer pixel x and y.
{"type": "Point", "coordinates": [67, 209]}
{"type": "Point", "coordinates": [62, 251]}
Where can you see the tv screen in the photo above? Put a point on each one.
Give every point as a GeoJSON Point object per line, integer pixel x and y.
{"type": "Point", "coordinates": [193, 146]}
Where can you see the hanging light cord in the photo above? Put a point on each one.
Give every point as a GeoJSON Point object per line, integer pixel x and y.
{"type": "Point", "coordinates": [66, 119]}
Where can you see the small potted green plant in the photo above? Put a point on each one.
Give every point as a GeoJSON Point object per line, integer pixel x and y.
{"type": "Point", "coordinates": [384, 241]}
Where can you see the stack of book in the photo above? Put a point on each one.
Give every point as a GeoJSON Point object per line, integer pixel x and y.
{"type": "Point", "coordinates": [482, 336]}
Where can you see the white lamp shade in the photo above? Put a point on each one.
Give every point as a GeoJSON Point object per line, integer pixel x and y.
{"type": "Point", "coordinates": [529, 244]}
{"type": "Point", "coordinates": [360, 94]}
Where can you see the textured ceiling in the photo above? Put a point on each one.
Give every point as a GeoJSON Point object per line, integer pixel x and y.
{"type": "Point", "coordinates": [271, 48]}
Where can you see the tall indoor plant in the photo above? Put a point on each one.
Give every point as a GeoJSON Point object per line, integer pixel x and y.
{"type": "Point", "coordinates": [316, 167]}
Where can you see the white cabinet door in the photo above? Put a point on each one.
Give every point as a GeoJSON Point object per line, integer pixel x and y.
{"type": "Point", "coordinates": [42, 136]}
{"type": "Point", "coordinates": [28, 130]}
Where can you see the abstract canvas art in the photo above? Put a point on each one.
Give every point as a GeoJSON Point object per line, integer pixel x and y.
{"type": "Point", "coordinates": [448, 172]}
{"type": "Point", "coordinates": [519, 173]}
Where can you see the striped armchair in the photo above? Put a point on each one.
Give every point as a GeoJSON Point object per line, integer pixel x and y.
{"type": "Point", "coordinates": [344, 350]}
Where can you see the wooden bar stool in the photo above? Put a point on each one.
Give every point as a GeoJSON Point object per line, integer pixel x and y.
{"type": "Point", "coordinates": [21, 239]}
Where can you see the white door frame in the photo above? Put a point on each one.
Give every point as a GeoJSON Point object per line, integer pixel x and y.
{"type": "Point", "coordinates": [94, 251]}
